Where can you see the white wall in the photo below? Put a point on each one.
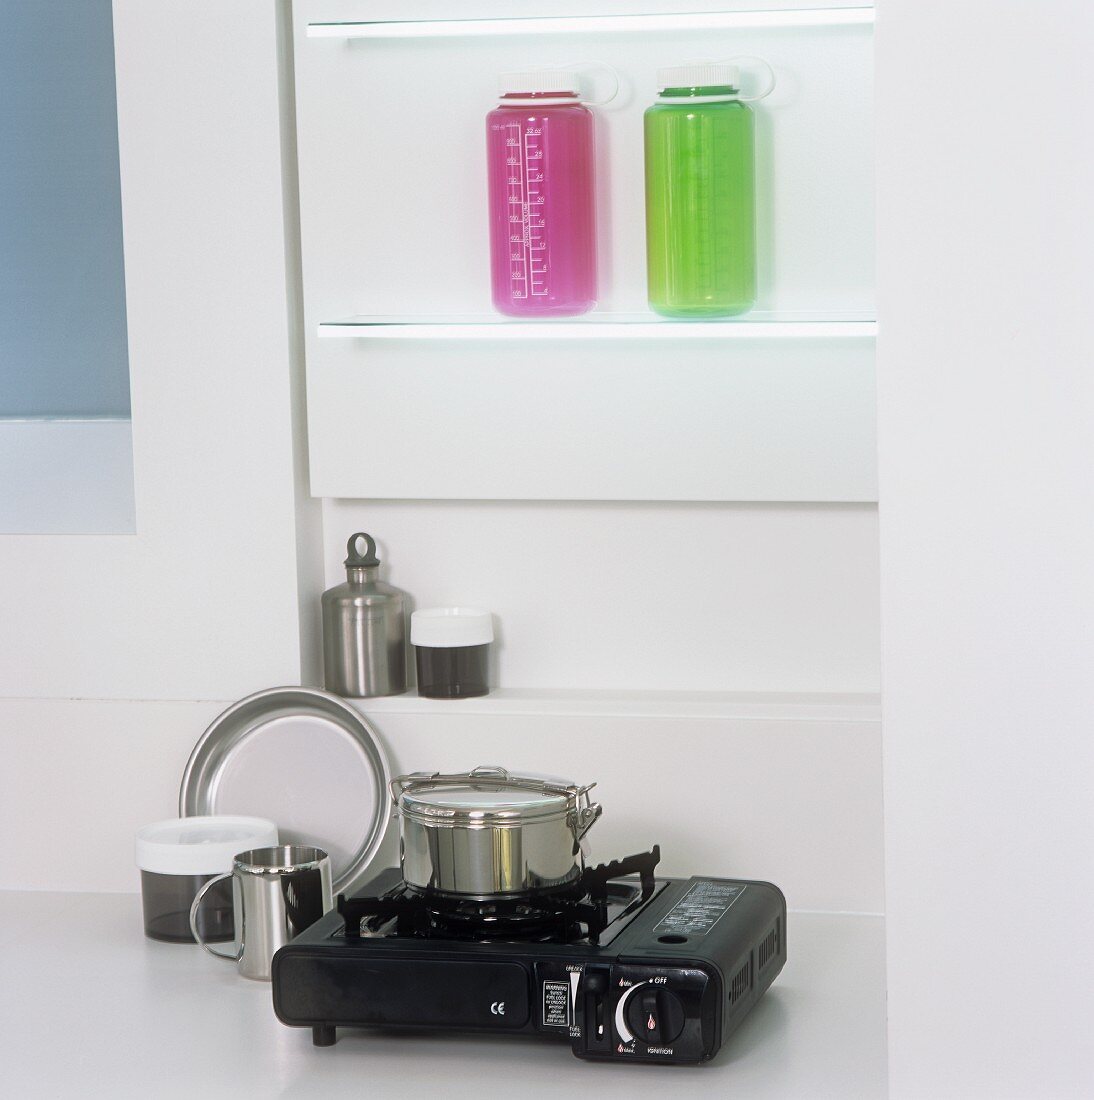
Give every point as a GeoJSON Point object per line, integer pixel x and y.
{"type": "Point", "coordinates": [110, 644]}
{"type": "Point", "coordinates": [66, 476]}
{"type": "Point", "coordinates": [201, 603]}
{"type": "Point", "coordinates": [796, 800]}
{"type": "Point", "coordinates": [986, 398]}
{"type": "Point", "coordinates": [677, 598]}
{"type": "Point", "coordinates": [673, 597]}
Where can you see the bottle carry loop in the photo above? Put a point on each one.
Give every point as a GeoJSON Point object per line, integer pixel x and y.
{"type": "Point", "coordinates": [582, 66]}
{"type": "Point", "coordinates": [772, 79]}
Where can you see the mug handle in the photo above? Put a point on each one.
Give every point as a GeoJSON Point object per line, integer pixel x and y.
{"type": "Point", "coordinates": [195, 906]}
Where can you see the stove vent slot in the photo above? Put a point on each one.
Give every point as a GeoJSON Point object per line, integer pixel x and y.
{"type": "Point", "coordinates": [742, 982]}
{"type": "Point", "coordinates": [770, 947]}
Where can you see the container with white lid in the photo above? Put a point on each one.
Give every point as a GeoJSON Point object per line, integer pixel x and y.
{"type": "Point", "coordinates": [452, 651]}
{"type": "Point", "coordinates": [177, 857]}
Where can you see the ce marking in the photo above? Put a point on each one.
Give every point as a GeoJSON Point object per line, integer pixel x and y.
{"type": "Point", "coordinates": [498, 1008]}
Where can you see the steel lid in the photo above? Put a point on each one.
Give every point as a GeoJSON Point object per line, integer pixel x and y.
{"type": "Point", "coordinates": [306, 760]}
{"type": "Point", "coordinates": [484, 796]}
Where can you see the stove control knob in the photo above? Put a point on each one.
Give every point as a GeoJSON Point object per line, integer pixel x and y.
{"type": "Point", "coordinates": [596, 981]}
{"type": "Point", "coordinates": [655, 1016]}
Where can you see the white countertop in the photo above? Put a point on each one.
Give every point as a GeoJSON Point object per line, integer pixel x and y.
{"type": "Point", "coordinates": [89, 1007]}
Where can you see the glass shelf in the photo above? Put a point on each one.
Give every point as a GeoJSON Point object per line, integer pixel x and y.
{"type": "Point", "coordinates": [595, 326]}
{"type": "Point", "coordinates": [462, 28]}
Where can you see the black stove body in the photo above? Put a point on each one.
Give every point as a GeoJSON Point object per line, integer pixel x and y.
{"type": "Point", "coordinates": [653, 970]}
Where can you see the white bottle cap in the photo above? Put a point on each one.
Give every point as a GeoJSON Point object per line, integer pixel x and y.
{"type": "Point", "coordinates": [536, 81]}
{"type": "Point", "coordinates": [700, 74]}
{"type": "Point", "coordinates": [448, 627]}
{"type": "Point", "coordinates": [200, 845]}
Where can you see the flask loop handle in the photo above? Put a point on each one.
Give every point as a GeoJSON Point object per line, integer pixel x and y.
{"type": "Point", "coordinates": [354, 558]}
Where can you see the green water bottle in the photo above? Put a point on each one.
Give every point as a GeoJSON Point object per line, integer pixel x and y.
{"type": "Point", "coordinates": [700, 193]}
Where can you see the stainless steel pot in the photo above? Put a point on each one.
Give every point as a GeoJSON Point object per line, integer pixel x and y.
{"type": "Point", "coordinates": [487, 834]}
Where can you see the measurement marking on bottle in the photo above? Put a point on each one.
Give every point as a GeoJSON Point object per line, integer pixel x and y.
{"type": "Point", "coordinates": [526, 202]}
{"type": "Point", "coordinates": [534, 224]}
{"type": "Point", "coordinates": [518, 211]}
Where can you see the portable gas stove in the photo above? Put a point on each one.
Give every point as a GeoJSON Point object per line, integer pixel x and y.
{"type": "Point", "coordinates": [625, 965]}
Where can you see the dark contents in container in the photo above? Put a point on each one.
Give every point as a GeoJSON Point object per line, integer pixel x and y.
{"type": "Point", "coordinates": [452, 672]}
{"type": "Point", "coordinates": [167, 899]}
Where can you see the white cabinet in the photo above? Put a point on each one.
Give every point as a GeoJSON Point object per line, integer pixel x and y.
{"type": "Point", "coordinates": [430, 396]}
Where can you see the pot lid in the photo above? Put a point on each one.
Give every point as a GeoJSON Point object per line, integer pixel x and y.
{"type": "Point", "coordinates": [486, 795]}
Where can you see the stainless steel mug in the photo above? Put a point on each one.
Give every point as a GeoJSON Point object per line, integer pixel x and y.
{"type": "Point", "coordinates": [276, 893]}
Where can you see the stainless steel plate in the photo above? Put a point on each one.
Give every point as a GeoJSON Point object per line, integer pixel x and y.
{"type": "Point", "coordinates": [307, 761]}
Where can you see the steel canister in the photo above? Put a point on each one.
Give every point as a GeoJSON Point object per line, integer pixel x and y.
{"type": "Point", "coordinates": [364, 629]}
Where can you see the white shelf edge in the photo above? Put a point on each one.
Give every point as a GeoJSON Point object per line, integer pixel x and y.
{"type": "Point", "coordinates": [600, 330]}
{"type": "Point", "coordinates": [748, 706]}
{"type": "Point", "coordinates": [463, 28]}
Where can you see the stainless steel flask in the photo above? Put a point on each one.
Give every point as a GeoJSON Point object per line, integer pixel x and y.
{"type": "Point", "coordinates": [364, 629]}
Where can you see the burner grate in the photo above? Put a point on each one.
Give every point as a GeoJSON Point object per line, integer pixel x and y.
{"type": "Point", "coordinates": [580, 910]}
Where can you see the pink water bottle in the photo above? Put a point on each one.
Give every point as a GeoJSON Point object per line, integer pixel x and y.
{"type": "Point", "coordinates": [539, 147]}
